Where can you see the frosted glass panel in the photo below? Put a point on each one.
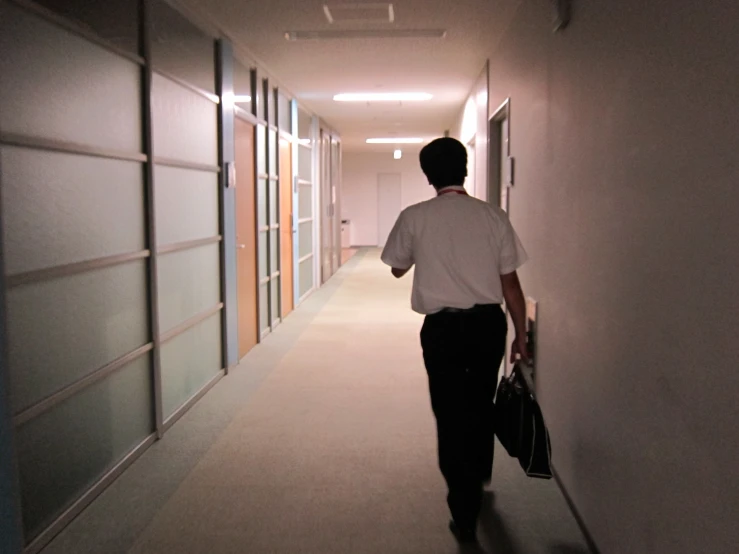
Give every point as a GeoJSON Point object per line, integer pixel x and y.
{"type": "Point", "coordinates": [264, 308]}
{"type": "Point", "coordinates": [189, 283]}
{"type": "Point", "coordinates": [274, 203]}
{"type": "Point", "coordinates": [306, 276]}
{"type": "Point", "coordinates": [305, 163]}
{"type": "Point", "coordinates": [271, 108]}
{"type": "Point", "coordinates": [305, 233]}
{"type": "Point", "coordinates": [242, 83]}
{"type": "Point", "coordinates": [63, 208]}
{"type": "Point", "coordinates": [305, 200]}
{"type": "Point", "coordinates": [186, 204]}
{"type": "Point", "coordinates": [185, 124]}
{"type": "Point", "coordinates": [259, 95]}
{"type": "Point", "coordinates": [261, 150]}
{"type": "Point", "coordinates": [274, 248]}
{"type": "Point", "coordinates": [114, 20]}
{"type": "Point", "coordinates": [263, 255]}
{"type": "Point", "coordinates": [284, 113]}
{"type": "Point", "coordinates": [275, 299]}
{"type": "Point", "coordinates": [180, 48]}
{"type": "Point", "coordinates": [304, 125]}
{"type": "Point", "coordinates": [64, 451]}
{"type": "Point", "coordinates": [55, 85]}
{"type": "Point", "coordinates": [62, 330]}
{"type": "Point", "coordinates": [272, 153]}
{"type": "Point", "coordinates": [189, 361]}
{"type": "Point", "coordinates": [262, 208]}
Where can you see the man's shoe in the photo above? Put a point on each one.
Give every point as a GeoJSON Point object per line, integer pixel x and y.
{"type": "Point", "coordinates": [463, 534]}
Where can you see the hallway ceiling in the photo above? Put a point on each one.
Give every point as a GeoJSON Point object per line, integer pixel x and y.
{"type": "Point", "coordinates": [316, 70]}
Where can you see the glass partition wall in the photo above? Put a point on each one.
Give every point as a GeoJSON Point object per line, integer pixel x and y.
{"type": "Point", "coordinates": [336, 187]}
{"type": "Point", "coordinates": [265, 206]}
{"type": "Point", "coordinates": [184, 129]}
{"type": "Point", "coordinates": [109, 165]}
{"type": "Point", "coordinates": [306, 196]}
{"type": "Point", "coordinates": [284, 135]}
{"type": "Point", "coordinates": [330, 201]}
{"type": "Point", "coordinates": [282, 193]}
{"type": "Point", "coordinates": [114, 197]}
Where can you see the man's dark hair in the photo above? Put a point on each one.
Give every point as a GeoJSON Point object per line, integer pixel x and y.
{"type": "Point", "coordinates": [444, 161]}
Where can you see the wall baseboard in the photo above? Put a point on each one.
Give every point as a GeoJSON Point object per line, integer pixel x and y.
{"type": "Point", "coordinates": [578, 518]}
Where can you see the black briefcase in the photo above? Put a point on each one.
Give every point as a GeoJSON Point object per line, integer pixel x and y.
{"type": "Point", "coordinates": [508, 410]}
{"type": "Point", "coordinates": [520, 427]}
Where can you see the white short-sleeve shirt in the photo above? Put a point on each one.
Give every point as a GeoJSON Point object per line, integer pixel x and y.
{"type": "Point", "coordinates": [460, 246]}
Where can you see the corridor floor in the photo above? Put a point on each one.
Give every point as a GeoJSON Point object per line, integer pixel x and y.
{"type": "Point", "coordinates": [322, 441]}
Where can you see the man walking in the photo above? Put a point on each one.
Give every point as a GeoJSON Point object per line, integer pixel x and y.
{"type": "Point", "coordinates": [466, 254]}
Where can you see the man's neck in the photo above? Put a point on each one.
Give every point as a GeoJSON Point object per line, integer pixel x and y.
{"type": "Point", "coordinates": [449, 187]}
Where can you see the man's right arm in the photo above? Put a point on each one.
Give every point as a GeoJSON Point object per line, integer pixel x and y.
{"type": "Point", "coordinates": [516, 304]}
{"type": "Point", "coordinates": [513, 256]}
{"type": "Point", "coordinates": [398, 251]}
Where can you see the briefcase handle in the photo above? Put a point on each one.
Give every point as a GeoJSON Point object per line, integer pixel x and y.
{"type": "Point", "coordinates": [525, 370]}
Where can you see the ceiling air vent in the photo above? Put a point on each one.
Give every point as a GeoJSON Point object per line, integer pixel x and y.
{"type": "Point", "coordinates": [359, 12]}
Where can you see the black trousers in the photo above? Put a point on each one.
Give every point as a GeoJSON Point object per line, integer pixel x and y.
{"type": "Point", "coordinates": [462, 352]}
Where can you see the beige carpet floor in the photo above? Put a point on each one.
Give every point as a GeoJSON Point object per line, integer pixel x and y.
{"type": "Point", "coordinates": [347, 254]}
{"type": "Point", "coordinates": [322, 441]}
{"type": "Point", "coordinates": [335, 453]}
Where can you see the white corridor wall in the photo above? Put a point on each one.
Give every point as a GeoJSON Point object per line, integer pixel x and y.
{"type": "Point", "coordinates": [472, 124]}
{"type": "Point", "coordinates": [359, 189]}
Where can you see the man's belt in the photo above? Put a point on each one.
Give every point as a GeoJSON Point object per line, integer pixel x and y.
{"type": "Point", "coordinates": [474, 309]}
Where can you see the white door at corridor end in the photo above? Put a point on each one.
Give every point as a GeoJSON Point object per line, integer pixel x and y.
{"type": "Point", "coordinates": [388, 204]}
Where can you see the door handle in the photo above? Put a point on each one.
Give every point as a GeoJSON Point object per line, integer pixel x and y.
{"type": "Point", "coordinates": [241, 246]}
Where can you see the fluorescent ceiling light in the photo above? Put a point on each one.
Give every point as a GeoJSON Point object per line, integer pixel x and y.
{"type": "Point", "coordinates": [383, 97]}
{"type": "Point", "coordinates": [241, 98]}
{"type": "Point", "coordinates": [398, 154]}
{"type": "Point", "coordinates": [395, 140]}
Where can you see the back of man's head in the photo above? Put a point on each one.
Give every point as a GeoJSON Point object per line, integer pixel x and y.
{"type": "Point", "coordinates": [444, 161]}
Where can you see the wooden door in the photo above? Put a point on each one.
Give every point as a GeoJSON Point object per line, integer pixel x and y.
{"type": "Point", "coordinates": [286, 226]}
{"type": "Point", "coordinates": [246, 238]}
